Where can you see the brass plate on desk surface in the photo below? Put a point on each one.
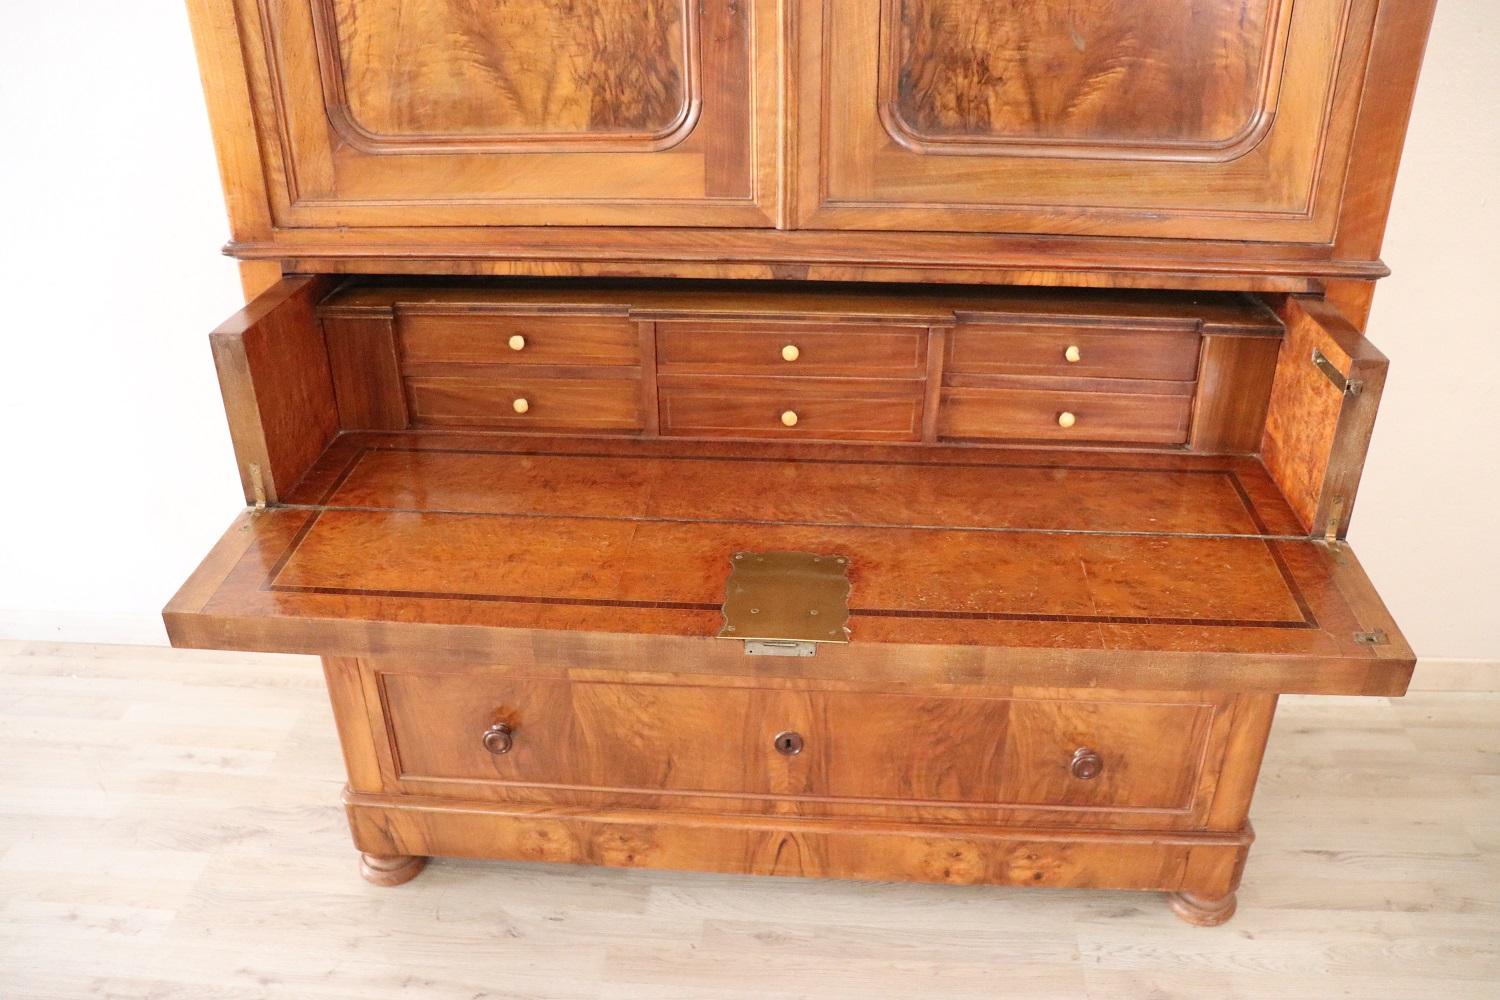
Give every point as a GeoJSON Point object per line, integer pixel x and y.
{"type": "Point", "coordinates": [787, 597]}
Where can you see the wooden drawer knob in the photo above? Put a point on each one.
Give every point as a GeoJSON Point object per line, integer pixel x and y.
{"type": "Point", "coordinates": [1087, 764]}
{"type": "Point", "coordinates": [1073, 355]}
{"type": "Point", "coordinates": [789, 418]}
{"type": "Point", "coordinates": [518, 343]}
{"type": "Point", "coordinates": [1065, 419]}
{"type": "Point", "coordinates": [521, 405]}
{"type": "Point", "coordinates": [788, 744]}
{"type": "Point", "coordinates": [499, 738]}
{"type": "Point", "coordinates": [790, 353]}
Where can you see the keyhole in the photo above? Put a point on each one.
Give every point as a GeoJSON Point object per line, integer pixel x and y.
{"type": "Point", "coordinates": [788, 744]}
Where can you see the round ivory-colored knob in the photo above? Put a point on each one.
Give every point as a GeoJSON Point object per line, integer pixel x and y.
{"type": "Point", "coordinates": [789, 418]}
{"type": "Point", "coordinates": [1073, 354]}
{"type": "Point", "coordinates": [521, 405]}
{"type": "Point", "coordinates": [790, 353]}
{"type": "Point", "coordinates": [1066, 420]}
{"type": "Point", "coordinates": [518, 343]}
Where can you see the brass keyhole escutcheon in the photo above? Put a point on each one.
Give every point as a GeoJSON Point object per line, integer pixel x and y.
{"type": "Point", "coordinates": [1087, 764]}
{"type": "Point", "coordinates": [499, 738]}
{"type": "Point", "coordinates": [788, 744]}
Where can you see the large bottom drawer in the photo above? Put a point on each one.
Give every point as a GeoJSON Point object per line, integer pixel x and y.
{"type": "Point", "coordinates": [455, 732]}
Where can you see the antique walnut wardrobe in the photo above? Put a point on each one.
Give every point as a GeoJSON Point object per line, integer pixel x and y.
{"type": "Point", "coordinates": [884, 439]}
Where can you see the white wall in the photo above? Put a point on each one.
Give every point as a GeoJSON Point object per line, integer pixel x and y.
{"type": "Point", "coordinates": [116, 473]}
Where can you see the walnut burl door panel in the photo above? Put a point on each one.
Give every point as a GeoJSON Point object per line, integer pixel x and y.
{"type": "Point", "coordinates": [515, 112]}
{"type": "Point", "coordinates": [1209, 119]}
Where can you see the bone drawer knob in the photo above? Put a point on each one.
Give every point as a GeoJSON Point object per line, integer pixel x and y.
{"type": "Point", "coordinates": [1073, 354]}
{"type": "Point", "coordinates": [790, 353]}
{"type": "Point", "coordinates": [521, 405]}
{"type": "Point", "coordinates": [1066, 420]}
{"type": "Point", "coordinates": [789, 418]}
{"type": "Point", "coordinates": [518, 343]}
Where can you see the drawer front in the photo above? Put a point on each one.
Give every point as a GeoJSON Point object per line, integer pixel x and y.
{"type": "Point", "coordinates": [681, 739]}
{"type": "Point", "coordinates": [999, 350]}
{"type": "Point", "coordinates": [724, 409]}
{"type": "Point", "coordinates": [525, 403]}
{"type": "Point", "coordinates": [1043, 414]}
{"type": "Point", "coordinates": [428, 339]}
{"type": "Point", "coordinates": [791, 350]}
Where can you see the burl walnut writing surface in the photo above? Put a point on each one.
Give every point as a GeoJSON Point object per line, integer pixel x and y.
{"type": "Point", "coordinates": [1043, 321]}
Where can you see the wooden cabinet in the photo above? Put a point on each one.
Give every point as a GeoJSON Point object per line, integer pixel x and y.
{"type": "Point", "coordinates": [972, 542]}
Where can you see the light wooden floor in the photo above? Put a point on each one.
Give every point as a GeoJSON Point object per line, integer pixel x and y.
{"type": "Point", "coordinates": [169, 827]}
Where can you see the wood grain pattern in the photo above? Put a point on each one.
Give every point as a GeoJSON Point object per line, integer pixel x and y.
{"type": "Point", "coordinates": [554, 567]}
{"type": "Point", "coordinates": [366, 372]}
{"type": "Point", "coordinates": [1126, 78]}
{"type": "Point", "coordinates": [1316, 437]}
{"type": "Point", "coordinates": [278, 392]}
{"type": "Point", "coordinates": [1033, 413]}
{"type": "Point", "coordinates": [1274, 177]}
{"type": "Point", "coordinates": [672, 739]}
{"type": "Point", "coordinates": [847, 410]}
{"type": "Point", "coordinates": [1234, 391]}
{"type": "Point", "coordinates": [456, 400]}
{"type": "Point", "coordinates": [1018, 349]}
{"type": "Point", "coordinates": [459, 337]}
{"type": "Point", "coordinates": [431, 113]}
{"type": "Point", "coordinates": [445, 73]}
{"type": "Point", "coordinates": [756, 348]}
{"type": "Point", "coordinates": [981, 855]}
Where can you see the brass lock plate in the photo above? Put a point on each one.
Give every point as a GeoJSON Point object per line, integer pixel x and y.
{"type": "Point", "coordinates": [787, 597]}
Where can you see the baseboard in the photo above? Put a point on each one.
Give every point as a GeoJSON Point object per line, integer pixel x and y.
{"type": "Point", "coordinates": [94, 629]}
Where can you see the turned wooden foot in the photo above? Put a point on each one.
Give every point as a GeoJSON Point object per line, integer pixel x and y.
{"type": "Point", "coordinates": [390, 871]}
{"type": "Point", "coordinates": [1201, 911]}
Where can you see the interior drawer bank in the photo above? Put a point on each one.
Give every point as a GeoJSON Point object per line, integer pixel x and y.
{"type": "Point", "coordinates": [797, 747]}
{"type": "Point", "coordinates": [708, 361]}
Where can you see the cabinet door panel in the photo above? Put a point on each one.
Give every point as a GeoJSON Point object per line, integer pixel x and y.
{"type": "Point", "coordinates": [1212, 119]}
{"type": "Point", "coordinates": [515, 112]}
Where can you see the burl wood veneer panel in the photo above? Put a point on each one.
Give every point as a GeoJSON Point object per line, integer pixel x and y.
{"type": "Point", "coordinates": [461, 73]}
{"type": "Point", "coordinates": [1115, 75]}
{"type": "Point", "coordinates": [1316, 435]}
{"type": "Point", "coordinates": [1211, 120]}
{"type": "Point", "coordinates": [349, 581]}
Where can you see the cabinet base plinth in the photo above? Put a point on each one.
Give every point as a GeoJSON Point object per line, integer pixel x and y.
{"type": "Point", "coordinates": [1195, 866]}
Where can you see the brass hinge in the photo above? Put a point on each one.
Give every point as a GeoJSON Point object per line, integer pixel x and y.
{"type": "Point", "coordinates": [1348, 386]}
{"type": "Point", "coordinates": [1375, 638]}
{"type": "Point", "coordinates": [1335, 517]}
{"type": "Point", "coordinates": [258, 486]}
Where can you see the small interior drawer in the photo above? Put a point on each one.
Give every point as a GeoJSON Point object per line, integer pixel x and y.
{"type": "Point", "coordinates": [493, 339]}
{"type": "Point", "coordinates": [681, 738]}
{"type": "Point", "coordinates": [1015, 414]}
{"type": "Point", "coordinates": [791, 349]}
{"type": "Point", "coordinates": [792, 409]}
{"type": "Point", "coordinates": [520, 403]}
{"type": "Point", "coordinates": [983, 349]}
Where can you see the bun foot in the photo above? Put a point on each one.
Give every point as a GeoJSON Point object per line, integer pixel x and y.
{"type": "Point", "coordinates": [390, 871]}
{"type": "Point", "coordinates": [1201, 911]}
